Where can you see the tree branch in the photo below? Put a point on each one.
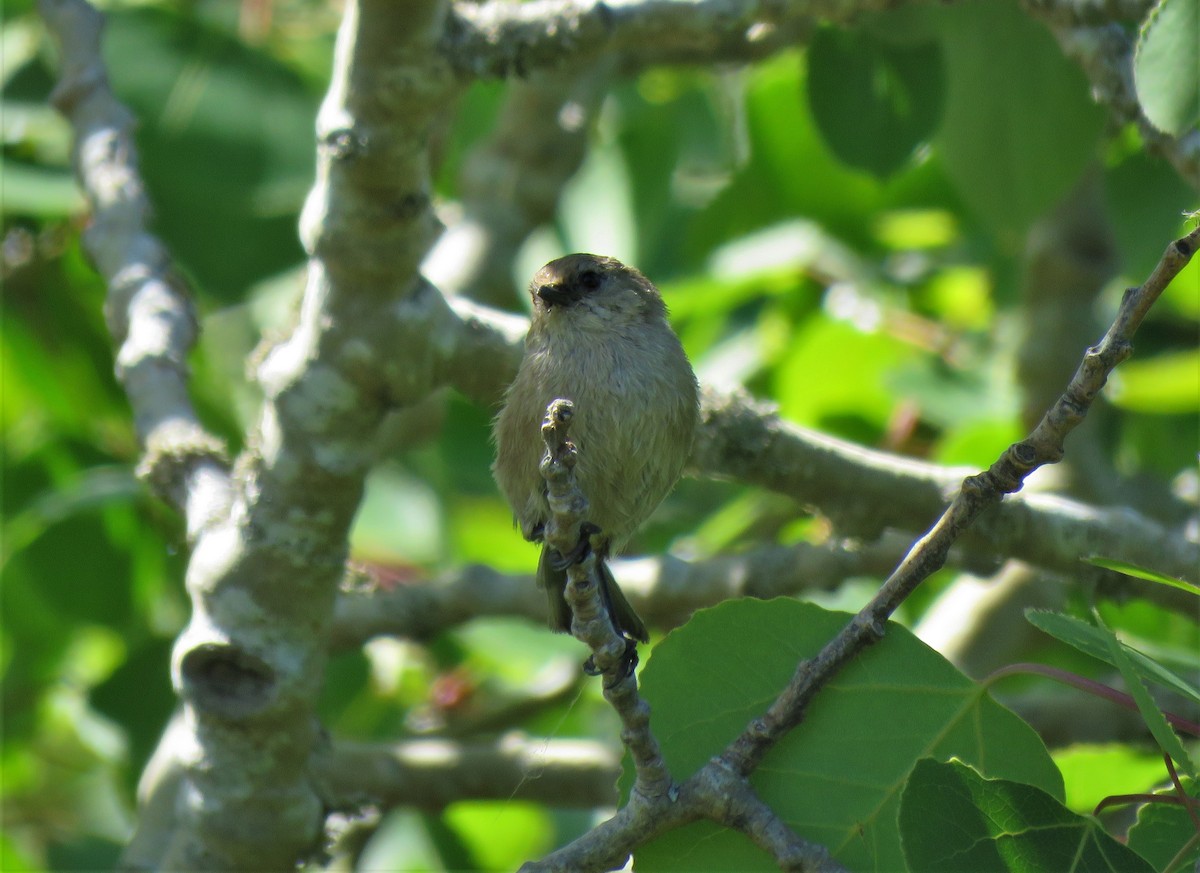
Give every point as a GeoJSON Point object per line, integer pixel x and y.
{"type": "Point", "coordinates": [865, 492]}
{"type": "Point", "coordinates": [433, 773]}
{"type": "Point", "coordinates": [501, 38]}
{"type": "Point", "coordinates": [665, 591]}
{"type": "Point", "coordinates": [1105, 53]}
{"type": "Point", "coordinates": [149, 310]}
{"type": "Point", "coordinates": [510, 183]}
{"type": "Point", "coordinates": [248, 666]}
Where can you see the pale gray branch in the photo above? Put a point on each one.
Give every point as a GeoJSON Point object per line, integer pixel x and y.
{"type": "Point", "coordinates": [866, 491]}
{"type": "Point", "coordinates": [663, 590]}
{"type": "Point", "coordinates": [433, 773]}
{"type": "Point", "coordinates": [149, 311]}
{"type": "Point", "coordinates": [248, 665]}
{"type": "Point", "coordinates": [502, 38]}
{"type": "Point", "coordinates": [510, 183]}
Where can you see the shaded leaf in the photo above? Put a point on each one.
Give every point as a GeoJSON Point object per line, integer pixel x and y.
{"type": "Point", "coordinates": [226, 143]}
{"type": "Point", "coordinates": [953, 819]}
{"type": "Point", "coordinates": [1019, 125]}
{"type": "Point", "coordinates": [1092, 641]}
{"type": "Point", "coordinates": [1162, 829]}
{"type": "Point", "coordinates": [873, 102]}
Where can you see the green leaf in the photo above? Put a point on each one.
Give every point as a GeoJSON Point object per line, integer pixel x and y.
{"type": "Point", "coordinates": [1166, 738]}
{"type": "Point", "coordinates": [836, 779]}
{"type": "Point", "coordinates": [40, 192]}
{"type": "Point", "coordinates": [864, 361]}
{"type": "Point", "coordinates": [1165, 384]}
{"type": "Point", "coordinates": [1166, 66]}
{"type": "Point", "coordinates": [953, 819]}
{"type": "Point", "coordinates": [1094, 772]}
{"type": "Point", "coordinates": [1146, 200]}
{"type": "Point", "coordinates": [1092, 641]}
{"type": "Point", "coordinates": [1161, 830]}
{"type": "Point", "coordinates": [1142, 573]}
{"type": "Point", "coordinates": [226, 143]}
{"type": "Point", "coordinates": [873, 102]}
{"type": "Point", "coordinates": [1019, 126]}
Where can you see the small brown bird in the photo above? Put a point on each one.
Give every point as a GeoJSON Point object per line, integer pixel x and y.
{"type": "Point", "coordinates": [598, 337]}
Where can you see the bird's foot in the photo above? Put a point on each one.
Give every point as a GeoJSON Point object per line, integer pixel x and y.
{"type": "Point", "coordinates": [625, 667]}
{"type": "Point", "coordinates": [561, 561]}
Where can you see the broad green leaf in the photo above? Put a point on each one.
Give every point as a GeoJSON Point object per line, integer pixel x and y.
{"type": "Point", "coordinates": [1161, 831]}
{"type": "Point", "coordinates": [1165, 384]}
{"type": "Point", "coordinates": [1092, 641]}
{"type": "Point", "coordinates": [873, 102]}
{"type": "Point", "coordinates": [953, 819]}
{"type": "Point", "coordinates": [20, 38]}
{"type": "Point", "coordinates": [1019, 126]}
{"type": "Point", "coordinates": [1166, 66]}
{"type": "Point", "coordinates": [790, 170]}
{"type": "Point", "coordinates": [835, 779]}
{"type": "Point", "coordinates": [1120, 656]}
{"type": "Point", "coordinates": [398, 518]}
{"type": "Point", "coordinates": [1143, 573]}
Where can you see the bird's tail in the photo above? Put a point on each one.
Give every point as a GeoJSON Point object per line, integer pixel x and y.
{"type": "Point", "coordinates": [623, 617]}
{"type": "Point", "coordinates": [554, 580]}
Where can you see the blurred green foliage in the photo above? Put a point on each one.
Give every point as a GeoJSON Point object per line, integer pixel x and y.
{"type": "Point", "coordinates": [859, 267]}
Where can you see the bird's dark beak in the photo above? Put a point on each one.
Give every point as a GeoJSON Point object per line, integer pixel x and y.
{"type": "Point", "coordinates": [556, 294]}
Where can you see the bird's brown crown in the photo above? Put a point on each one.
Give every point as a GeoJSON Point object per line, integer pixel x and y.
{"type": "Point", "coordinates": [572, 279]}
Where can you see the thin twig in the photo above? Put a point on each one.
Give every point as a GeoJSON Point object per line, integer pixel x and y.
{"type": "Point", "coordinates": [591, 623]}
{"type": "Point", "coordinates": [978, 493]}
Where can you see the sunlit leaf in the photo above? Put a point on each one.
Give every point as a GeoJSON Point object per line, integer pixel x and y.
{"type": "Point", "coordinates": [1166, 66]}
{"type": "Point", "coordinates": [1142, 573]}
{"type": "Point", "coordinates": [1166, 384]}
{"type": "Point", "coordinates": [1094, 772]}
{"type": "Point", "coordinates": [893, 704]}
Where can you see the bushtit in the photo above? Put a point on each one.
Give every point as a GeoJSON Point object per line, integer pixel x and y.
{"type": "Point", "coordinates": [598, 337]}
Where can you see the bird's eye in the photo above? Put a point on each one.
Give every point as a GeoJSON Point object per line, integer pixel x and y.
{"type": "Point", "coordinates": [589, 280]}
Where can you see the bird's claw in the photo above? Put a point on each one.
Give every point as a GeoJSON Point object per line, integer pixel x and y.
{"type": "Point", "coordinates": [560, 561]}
{"type": "Point", "coordinates": [625, 667]}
